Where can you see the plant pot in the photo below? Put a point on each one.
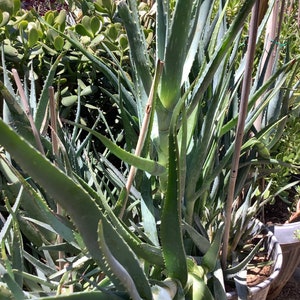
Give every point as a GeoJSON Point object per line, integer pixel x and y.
{"type": "Point", "coordinates": [260, 291]}
{"type": "Point", "coordinates": [290, 245]}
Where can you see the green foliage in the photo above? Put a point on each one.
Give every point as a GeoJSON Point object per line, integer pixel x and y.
{"type": "Point", "coordinates": [28, 43]}
{"type": "Point", "coordinates": [102, 65]}
{"type": "Point", "coordinates": [287, 154]}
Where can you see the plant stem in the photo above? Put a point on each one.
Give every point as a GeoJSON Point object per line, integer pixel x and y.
{"type": "Point", "coordinates": [240, 128]}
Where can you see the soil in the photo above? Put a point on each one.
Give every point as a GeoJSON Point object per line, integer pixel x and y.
{"type": "Point", "coordinates": [277, 213]}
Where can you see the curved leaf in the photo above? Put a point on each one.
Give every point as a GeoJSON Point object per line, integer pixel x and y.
{"type": "Point", "coordinates": [82, 208]}
{"type": "Point", "coordinates": [116, 267]}
{"type": "Point", "coordinates": [144, 164]}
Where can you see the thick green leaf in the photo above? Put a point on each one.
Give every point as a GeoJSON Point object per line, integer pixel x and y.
{"type": "Point", "coordinates": [171, 231]}
{"type": "Point", "coordinates": [211, 257]}
{"type": "Point", "coordinates": [138, 52]}
{"type": "Point", "coordinates": [4, 18]}
{"type": "Point", "coordinates": [13, 286]}
{"type": "Point", "coordinates": [82, 30]}
{"type": "Point", "coordinates": [58, 43]}
{"type": "Point", "coordinates": [73, 198]}
{"type": "Point", "coordinates": [9, 222]}
{"type": "Point", "coordinates": [175, 54]}
{"type": "Point", "coordinates": [233, 271]}
{"type": "Point", "coordinates": [17, 118]}
{"type": "Point", "coordinates": [199, 289]}
{"type": "Point", "coordinates": [36, 207]}
{"type": "Point", "coordinates": [138, 46]}
{"type": "Point", "coordinates": [201, 242]}
{"type": "Point", "coordinates": [88, 296]}
{"type": "Point", "coordinates": [46, 270]}
{"type": "Point", "coordinates": [199, 22]}
{"type": "Point", "coordinates": [114, 265]}
{"type": "Point", "coordinates": [145, 251]}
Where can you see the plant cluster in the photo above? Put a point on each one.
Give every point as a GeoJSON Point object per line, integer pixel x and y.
{"type": "Point", "coordinates": [161, 87]}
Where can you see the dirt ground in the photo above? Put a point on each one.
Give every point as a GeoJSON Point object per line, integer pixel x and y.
{"type": "Point", "coordinates": [291, 290]}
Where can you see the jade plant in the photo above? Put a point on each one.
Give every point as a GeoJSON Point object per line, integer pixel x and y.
{"type": "Point", "coordinates": [29, 45]}
{"type": "Point", "coordinates": [151, 227]}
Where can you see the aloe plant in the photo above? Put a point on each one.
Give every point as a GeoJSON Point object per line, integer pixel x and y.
{"type": "Point", "coordinates": [163, 235]}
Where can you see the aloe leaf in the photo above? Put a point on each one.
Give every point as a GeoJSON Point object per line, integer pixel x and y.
{"type": "Point", "coordinates": [116, 267]}
{"type": "Point", "coordinates": [46, 270]}
{"type": "Point", "coordinates": [285, 100]}
{"type": "Point", "coordinates": [138, 47]}
{"type": "Point", "coordinates": [200, 290]}
{"type": "Point", "coordinates": [199, 20]}
{"type": "Point", "coordinates": [205, 77]}
{"type": "Point", "coordinates": [17, 118]}
{"type": "Point", "coordinates": [123, 75]}
{"type": "Point", "coordinates": [35, 280]}
{"type": "Point", "coordinates": [171, 231]}
{"type": "Point", "coordinates": [87, 296]}
{"type": "Point", "coordinates": [145, 251]}
{"type": "Point", "coordinates": [202, 158]}
{"type": "Point", "coordinates": [32, 97]}
{"type": "Point", "coordinates": [14, 287]}
{"type": "Point", "coordinates": [259, 93]}
{"type": "Point", "coordinates": [9, 222]}
{"type": "Point", "coordinates": [44, 98]}
{"type": "Point", "coordinates": [38, 208]}
{"type": "Point", "coordinates": [218, 282]}
{"type": "Point", "coordinates": [56, 184]}
{"type": "Point", "coordinates": [17, 251]}
{"type": "Point", "coordinates": [162, 28]}
{"type": "Point", "coordinates": [144, 164]}
{"type": "Point", "coordinates": [123, 262]}
{"type": "Point", "coordinates": [199, 240]}
{"type": "Point", "coordinates": [175, 54]}
{"type": "Point", "coordinates": [219, 29]}
{"type": "Point", "coordinates": [72, 197]}
{"type": "Point", "coordinates": [212, 255]}
{"type": "Point", "coordinates": [7, 117]}
{"type": "Point", "coordinates": [233, 271]}
{"type": "Point", "coordinates": [147, 210]}
{"type": "Point", "coordinates": [11, 229]}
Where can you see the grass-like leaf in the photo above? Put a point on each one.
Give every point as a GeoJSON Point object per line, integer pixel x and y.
{"type": "Point", "coordinates": [150, 166]}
